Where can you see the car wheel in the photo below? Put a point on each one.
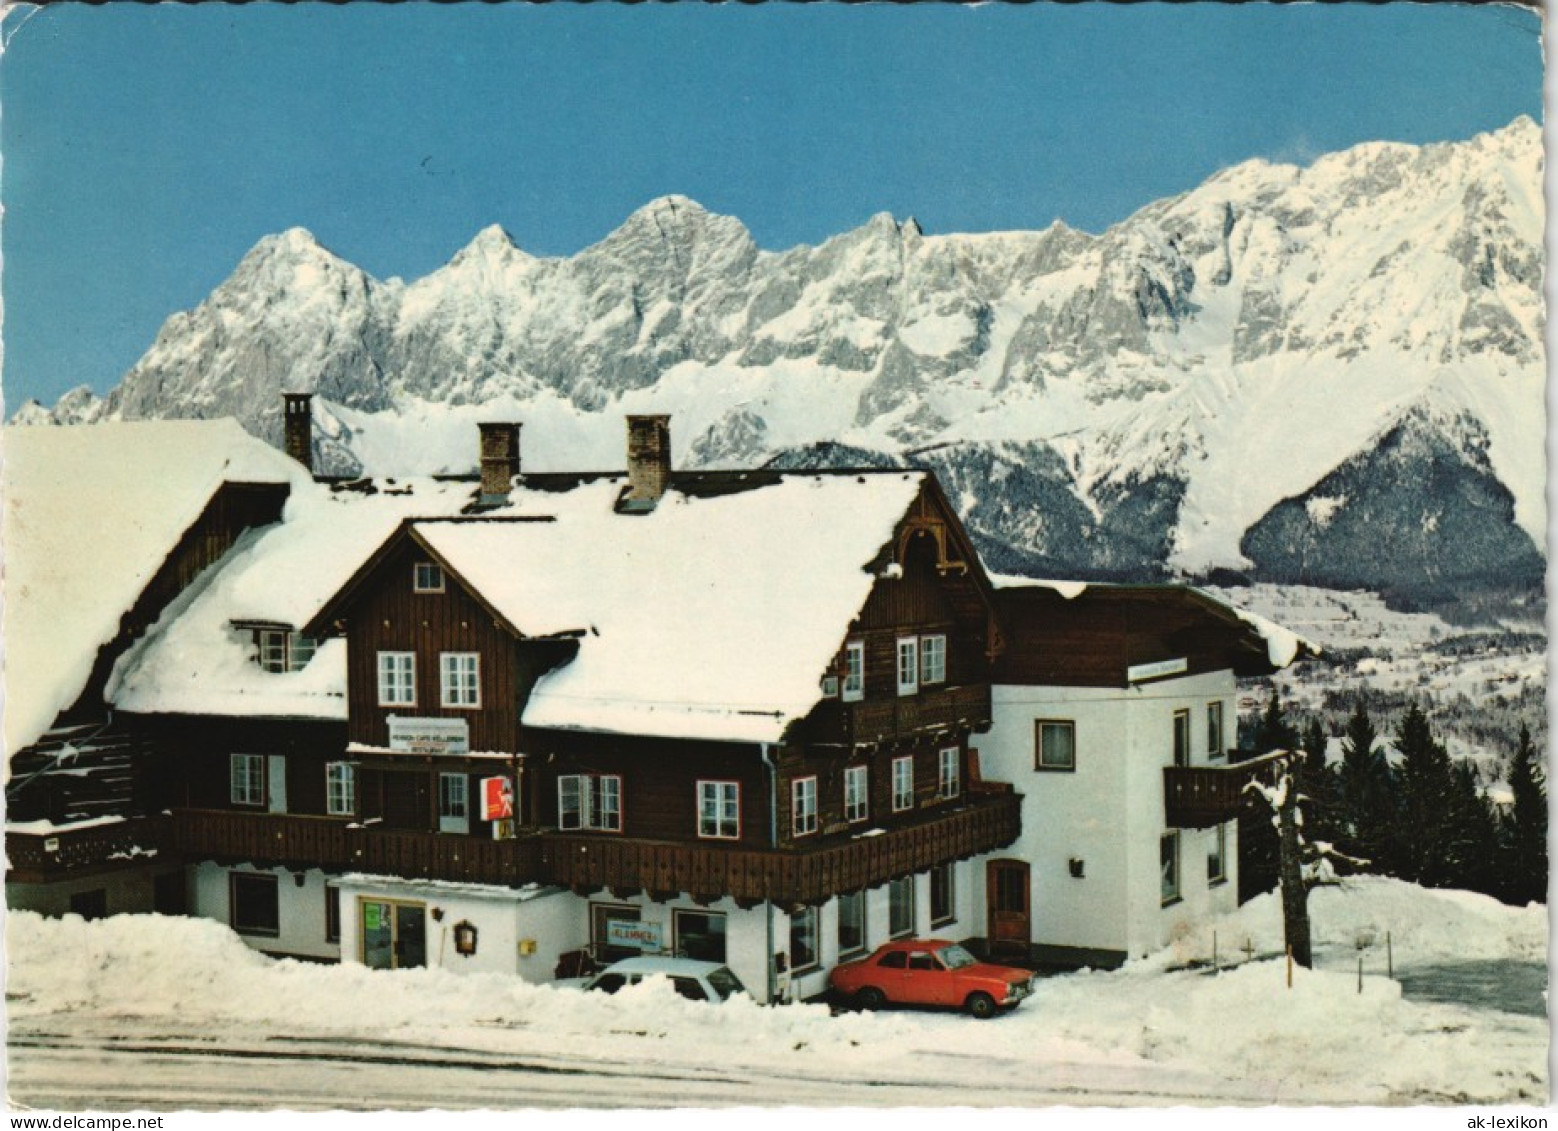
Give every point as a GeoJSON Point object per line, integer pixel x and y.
{"type": "Point", "coordinates": [981, 1006]}
{"type": "Point", "coordinates": [871, 998]}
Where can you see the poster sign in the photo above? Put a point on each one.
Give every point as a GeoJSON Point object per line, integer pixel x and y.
{"type": "Point", "coordinates": [429, 736]}
{"type": "Point", "coordinates": [497, 799]}
{"type": "Point", "coordinates": [1152, 671]}
{"type": "Point", "coordinates": [629, 932]}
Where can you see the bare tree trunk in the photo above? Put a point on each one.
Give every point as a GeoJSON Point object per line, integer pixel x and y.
{"type": "Point", "coordinates": [1295, 898]}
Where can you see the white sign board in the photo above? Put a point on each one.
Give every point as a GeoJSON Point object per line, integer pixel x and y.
{"type": "Point", "coordinates": [1155, 670]}
{"type": "Point", "coordinates": [627, 932]}
{"type": "Point", "coordinates": [429, 736]}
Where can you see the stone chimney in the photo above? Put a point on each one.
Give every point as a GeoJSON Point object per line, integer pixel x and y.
{"type": "Point", "coordinates": [499, 460]}
{"type": "Point", "coordinates": [298, 427]}
{"type": "Point", "coordinates": [649, 460]}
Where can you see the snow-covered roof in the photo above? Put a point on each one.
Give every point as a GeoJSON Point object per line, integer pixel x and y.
{"type": "Point", "coordinates": [90, 513]}
{"type": "Point", "coordinates": [194, 661]}
{"type": "Point", "coordinates": [1283, 646]}
{"type": "Point", "coordinates": [712, 617]}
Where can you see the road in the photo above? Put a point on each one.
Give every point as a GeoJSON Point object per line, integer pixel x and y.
{"type": "Point", "coordinates": [69, 1062]}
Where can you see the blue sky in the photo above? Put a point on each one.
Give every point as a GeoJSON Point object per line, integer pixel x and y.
{"type": "Point", "coordinates": [147, 147]}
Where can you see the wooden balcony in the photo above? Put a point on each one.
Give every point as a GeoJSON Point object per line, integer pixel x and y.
{"type": "Point", "coordinates": [1198, 797]}
{"type": "Point", "coordinates": [982, 823]}
{"type": "Point", "coordinates": [879, 720]}
{"type": "Point", "coordinates": [798, 875]}
{"type": "Point", "coordinates": [38, 857]}
{"type": "Point", "coordinates": [335, 844]}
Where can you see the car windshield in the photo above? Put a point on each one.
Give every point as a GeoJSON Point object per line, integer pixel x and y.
{"type": "Point", "coordinates": [955, 957]}
{"type": "Point", "coordinates": [725, 983]}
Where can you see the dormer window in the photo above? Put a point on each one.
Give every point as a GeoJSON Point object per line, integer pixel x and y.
{"type": "Point", "coordinates": [282, 650]}
{"type": "Point", "coordinates": [427, 577]}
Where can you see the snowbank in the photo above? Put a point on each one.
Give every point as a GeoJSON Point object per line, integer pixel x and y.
{"type": "Point", "coordinates": [1148, 1033]}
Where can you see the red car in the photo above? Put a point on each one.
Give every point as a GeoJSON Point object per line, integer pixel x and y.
{"type": "Point", "coordinates": [930, 972]}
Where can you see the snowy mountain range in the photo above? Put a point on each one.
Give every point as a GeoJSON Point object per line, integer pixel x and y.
{"type": "Point", "coordinates": [1330, 373]}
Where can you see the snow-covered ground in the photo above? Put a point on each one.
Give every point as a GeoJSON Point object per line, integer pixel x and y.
{"type": "Point", "coordinates": [142, 1011]}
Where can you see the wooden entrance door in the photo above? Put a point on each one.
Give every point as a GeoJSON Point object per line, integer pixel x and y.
{"type": "Point", "coordinates": [1006, 898]}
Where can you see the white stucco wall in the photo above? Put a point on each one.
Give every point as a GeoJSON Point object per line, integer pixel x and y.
{"type": "Point", "coordinates": [1109, 812]}
{"type": "Point", "coordinates": [301, 909]}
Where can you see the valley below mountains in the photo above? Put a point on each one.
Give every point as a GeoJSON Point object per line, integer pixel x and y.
{"type": "Point", "coordinates": [1327, 375]}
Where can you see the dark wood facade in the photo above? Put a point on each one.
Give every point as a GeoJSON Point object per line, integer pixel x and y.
{"type": "Point", "coordinates": [1092, 639]}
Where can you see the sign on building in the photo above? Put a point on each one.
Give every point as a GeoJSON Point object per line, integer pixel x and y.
{"type": "Point", "coordinates": [1138, 672]}
{"type": "Point", "coordinates": [628, 932]}
{"type": "Point", "coordinates": [429, 736]}
{"type": "Point", "coordinates": [497, 799]}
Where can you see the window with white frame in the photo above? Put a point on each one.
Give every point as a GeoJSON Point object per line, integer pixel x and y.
{"type": "Point", "coordinates": [1056, 742]}
{"type": "Point", "coordinates": [427, 577]}
{"type": "Point", "coordinates": [1168, 861]}
{"type": "Point", "coordinates": [908, 665]}
{"type": "Point", "coordinates": [454, 796]}
{"type": "Point", "coordinates": [805, 940]}
{"type": "Point", "coordinates": [340, 789]}
{"type": "Point", "coordinates": [903, 784]}
{"type": "Point", "coordinates": [459, 679]}
{"type": "Point", "coordinates": [1214, 729]}
{"type": "Point", "coordinates": [281, 650]}
{"type": "Point", "coordinates": [246, 777]}
{"type": "Point", "coordinates": [949, 772]}
{"type": "Point", "coordinates": [273, 650]}
{"type": "Point", "coordinates": [590, 801]}
{"type": "Point", "coordinates": [857, 803]}
{"type": "Point", "coordinates": [933, 659]}
{"type": "Point", "coordinates": [1182, 738]}
{"type": "Point", "coordinates": [397, 679]}
{"type": "Point", "coordinates": [719, 810]}
{"type": "Point", "coordinates": [803, 806]}
{"type": "Point", "coordinates": [1217, 856]}
{"type": "Point", "coordinates": [854, 686]}
{"type": "Point", "coordinates": [900, 907]}
{"type": "Point", "coordinates": [852, 923]}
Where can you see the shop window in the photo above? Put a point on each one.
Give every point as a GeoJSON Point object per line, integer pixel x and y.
{"type": "Point", "coordinates": [700, 935]}
{"type": "Point", "coordinates": [602, 915]}
{"type": "Point", "coordinates": [91, 904]}
{"type": "Point", "coordinates": [943, 904]}
{"type": "Point", "coordinates": [805, 948]}
{"type": "Point", "coordinates": [852, 923]}
{"type": "Point", "coordinates": [255, 904]}
{"type": "Point", "coordinates": [900, 907]}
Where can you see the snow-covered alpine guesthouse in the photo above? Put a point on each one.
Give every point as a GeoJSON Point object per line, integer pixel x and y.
{"type": "Point", "coordinates": [504, 722]}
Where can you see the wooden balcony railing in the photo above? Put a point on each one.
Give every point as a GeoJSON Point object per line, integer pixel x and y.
{"type": "Point", "coordinates": [35, 857]}
{"type": "Point", "coordinates": [798, 875]}
{"type": "Point", "coordinates": [879, 720]}
{"type": "Point", "coordinates": [1198, 797]}
{"type": "Point", "coordinates": [808, 874]}
{"type": "Point", "coordinates": [336, 844]}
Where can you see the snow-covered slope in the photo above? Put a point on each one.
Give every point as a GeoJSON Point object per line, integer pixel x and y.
{"type": "Point", "coordinates": [1116, 404]}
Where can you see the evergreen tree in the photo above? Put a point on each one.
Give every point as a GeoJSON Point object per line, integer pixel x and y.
{"type": "Point", "coordinates": [1423, 847]}
{"type": "Point", "coordinates": [1258, 841]}
{"type": "Point", "coordinates": [1317, 784]}
{"type": "Point", "coordinates": [1471, 833]}
{"type": "Point", "coordinates": [1524, 832]}
{"type": "Point", "coordinates": [1364, 798]}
